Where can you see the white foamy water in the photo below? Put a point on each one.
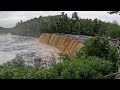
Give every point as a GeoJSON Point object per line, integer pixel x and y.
{"type": "Point", "coordinates": [27, 48]}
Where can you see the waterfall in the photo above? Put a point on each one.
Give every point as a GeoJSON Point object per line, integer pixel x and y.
{"type": "Point", "coordinates": [66, 45]}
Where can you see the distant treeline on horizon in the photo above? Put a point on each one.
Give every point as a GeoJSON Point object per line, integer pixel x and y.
{"type": "Point", "coordinates": [65, 25]}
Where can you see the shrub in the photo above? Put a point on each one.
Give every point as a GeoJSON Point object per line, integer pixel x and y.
{"type": "Point", "coordinates": [82, 68]}
{"type": "Point", "coordinates": [100, 48]}
{"type": "Point", "coordinates": [64, 57]}
{"type": "Point", "coordinates": [112, 55]}
{"type": "Point", "coordinates": [10, 72]}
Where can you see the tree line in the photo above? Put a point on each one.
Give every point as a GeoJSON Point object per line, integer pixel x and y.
{"type": "Point", "coordinates": [66, 25]}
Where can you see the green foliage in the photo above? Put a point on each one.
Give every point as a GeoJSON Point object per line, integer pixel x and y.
{"type": "Point", "coordinates": [81, 68]}
{"type": "Point", "coordinates": [113, 30]}
{"type": "Point", "coordinates": [112, 55]}
{"type": "Point", "coordinates": [100, 48]}
{"type": "Point", "coordinates": [10, 72]}
{"type": "Point", "coordinates": [118, 63]}
{"type": "Point", "coordinates": [76, 28]}
{"type": "Point", "coordinates": [65, 57]}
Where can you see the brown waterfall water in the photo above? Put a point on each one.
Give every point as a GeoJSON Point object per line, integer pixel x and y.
{"type": "Point", "coordinates": [64, 44]}
{"type": "Point", "coordinates": [69, 48]}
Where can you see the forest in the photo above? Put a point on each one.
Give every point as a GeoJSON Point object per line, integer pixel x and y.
{"type": "Point", "coordinates": [63, 24]}
{"type": "Point", "coordinates": [66, 25]}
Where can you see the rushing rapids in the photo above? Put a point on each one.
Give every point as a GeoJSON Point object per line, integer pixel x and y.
{"type": "Point", "coordinates": [27, 49]}
{"type": "Point", "coordinates": [65, 44]}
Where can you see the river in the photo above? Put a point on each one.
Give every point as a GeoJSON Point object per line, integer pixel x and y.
{"type": "Point", "coordinates": [26, 48]}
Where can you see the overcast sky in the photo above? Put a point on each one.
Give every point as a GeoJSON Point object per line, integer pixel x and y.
{"type": "Point", "coordinates": [8, 19]}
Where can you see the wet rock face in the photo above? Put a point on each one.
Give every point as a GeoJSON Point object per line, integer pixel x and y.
{"type": "Point", "coordinates": [26, 48]}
